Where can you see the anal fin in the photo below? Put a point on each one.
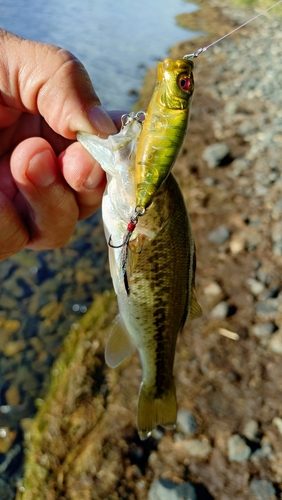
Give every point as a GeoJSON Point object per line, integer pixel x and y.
{"type": "Point", "coordinates": [119, 345]}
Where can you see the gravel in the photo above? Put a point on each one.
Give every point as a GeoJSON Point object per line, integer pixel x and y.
{"type": "Point", "coordinates": [186, 422]}
{"type": "Point", "coordinates": [238, 450]}
{"type": "Point", "coordinates": [163, 489]}
{"type": "Point", "coordinates": [262, 489]}
{"type": "Point", "coordinates": [216, 154]}
{"type": "Point", "coordinates": [219, 235]}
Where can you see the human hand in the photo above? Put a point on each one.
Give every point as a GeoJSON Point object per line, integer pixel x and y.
{"type": "Point", "coordinates": [47, 180]}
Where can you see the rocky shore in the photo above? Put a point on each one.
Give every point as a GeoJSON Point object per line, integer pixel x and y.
{"type": "Point", "coordinates": [228, 370]}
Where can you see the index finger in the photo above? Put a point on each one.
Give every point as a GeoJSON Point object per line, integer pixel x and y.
{"type": "Point", "coordinates": [47, 80]}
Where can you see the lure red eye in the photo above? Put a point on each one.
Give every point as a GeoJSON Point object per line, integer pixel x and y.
{"type": "Point", "coordinates": [184, 83]}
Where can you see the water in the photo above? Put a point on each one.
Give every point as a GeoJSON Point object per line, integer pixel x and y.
{"type": "Point", "coordinates": [116, 41]}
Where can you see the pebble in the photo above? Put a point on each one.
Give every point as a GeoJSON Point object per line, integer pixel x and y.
{"type": "Point", "coordinates": [251, 431]}
{"type": "Point", "coordinates": [256, 287]}
{"type": "Point", "coordinates": [263, 489]}
{"type": "Point", "coordinates": [237, 244]}
{"type": "Point", "coordinates": [12, 395]}
{"type": "Point", "coordinates": [13, 347]}
{"type": "Point", "coordinates": [10, 325]}
{"type": "Point", "coordinates": [265, 451]}
{"type": "Point", "coordinates": [238, 450]}
{"type": "Point", "coordinates": [216, 154]}
{"type": "Point", "coordinates": [277, 248]}
{"type": "Point", "coordinates": [212, 289]}
{"type": "Point", "coordinates": [263, 277]}
{"type": "Point", "coordinates": [186, 422]}
{"type": "Point", "coordinates": [220, 311]}
{"type": "Point", "coordinates": [219, 235]}
{"type": "Point", "coordinates": [267, 307]}
{"type": "Point", "coordinates": [197, 448]}
{"type": "Point", "coordinates": [163, 489]}
{"type": "Point", "coordinates": [263, 330]}
{"type": "Point", "coordinates": [278, 422]}
{"type": "Point", "coordinates": [275, 342]}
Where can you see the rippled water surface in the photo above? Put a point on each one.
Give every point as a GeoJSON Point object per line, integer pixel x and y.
{"type": "Point", "coordinates": [116, 41]}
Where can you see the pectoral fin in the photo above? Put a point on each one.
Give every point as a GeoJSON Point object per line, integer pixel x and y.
{"type": "Point", "coordinates": [119, 345]}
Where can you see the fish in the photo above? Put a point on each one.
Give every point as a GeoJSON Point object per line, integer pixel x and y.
{"type": "Point", "coordinates": [164, 128]}
{"type": "Point", "coordinates": [160, 268]}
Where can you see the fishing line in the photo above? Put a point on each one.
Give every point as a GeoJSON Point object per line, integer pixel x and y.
{"type": "Point", "coordinates": [203, 49]}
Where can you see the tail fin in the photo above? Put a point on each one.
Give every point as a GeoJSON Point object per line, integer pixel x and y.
{"type": "Point", "coordinates": [153, 410]}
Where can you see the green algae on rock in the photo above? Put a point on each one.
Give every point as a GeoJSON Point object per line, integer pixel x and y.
{"type": "Point", "coordinates": [75, 444]}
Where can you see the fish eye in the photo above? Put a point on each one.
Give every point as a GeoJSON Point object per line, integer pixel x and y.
{"type": "Point", "coordinates": [185, 83]}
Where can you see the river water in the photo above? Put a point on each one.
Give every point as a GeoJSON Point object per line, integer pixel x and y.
{"type": "Point", "coordinates": [116, 41]}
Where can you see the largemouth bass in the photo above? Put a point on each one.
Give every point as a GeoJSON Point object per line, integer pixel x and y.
{"type": "Point", "coordinates": [164, 128]}
{"type": "Point", "coordinates": [161, 263]}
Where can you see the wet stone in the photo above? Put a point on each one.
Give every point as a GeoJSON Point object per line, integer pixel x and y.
{"type": "Point", "coordinates": [12, 395]}
{"type": "Point", "coordinates": [219, 235]}
{"type": "Point", "coordinates": [13, 347]}
{"type": "Point", "coordinates": [7, 437]}
{"type": "Point", "coordinates": [238, 450]}
{"type": "Point", "coordinates": [162, 489]}
{"type": "Point", "coordinates": [263, 489]}
{"type": "Point", "coordinates": [8, 302]}
{"type": "Point", "coordinates": [11, 456]}
{"type": "Point", "coordinates": [7, 493]}
{"type": "Point", "coordinates": [11, 325]}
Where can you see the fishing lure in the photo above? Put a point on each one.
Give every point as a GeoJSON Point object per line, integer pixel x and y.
{"type": "Point", "coordinates": [164, 127]}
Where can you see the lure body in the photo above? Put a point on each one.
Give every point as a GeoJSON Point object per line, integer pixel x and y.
{"type": "Point", "coordinates": [160, 273]}
{"type": "Point", "coordinates": [164, 128]}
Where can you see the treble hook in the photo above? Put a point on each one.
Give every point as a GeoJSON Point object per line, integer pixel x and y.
{"type": "Point", "coordinates": [139, 211]}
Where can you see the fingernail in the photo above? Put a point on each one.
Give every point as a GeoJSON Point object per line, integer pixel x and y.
{"type": "Point", "coordinates": [101, 120]}
{"type": "Point", "coordinates": [42, 170]}
{"type": "Point", "coordinates": [95, 178]}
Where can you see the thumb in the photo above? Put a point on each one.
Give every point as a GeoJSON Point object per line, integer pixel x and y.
{"type": "Point", "coordinates": [46, 80]}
